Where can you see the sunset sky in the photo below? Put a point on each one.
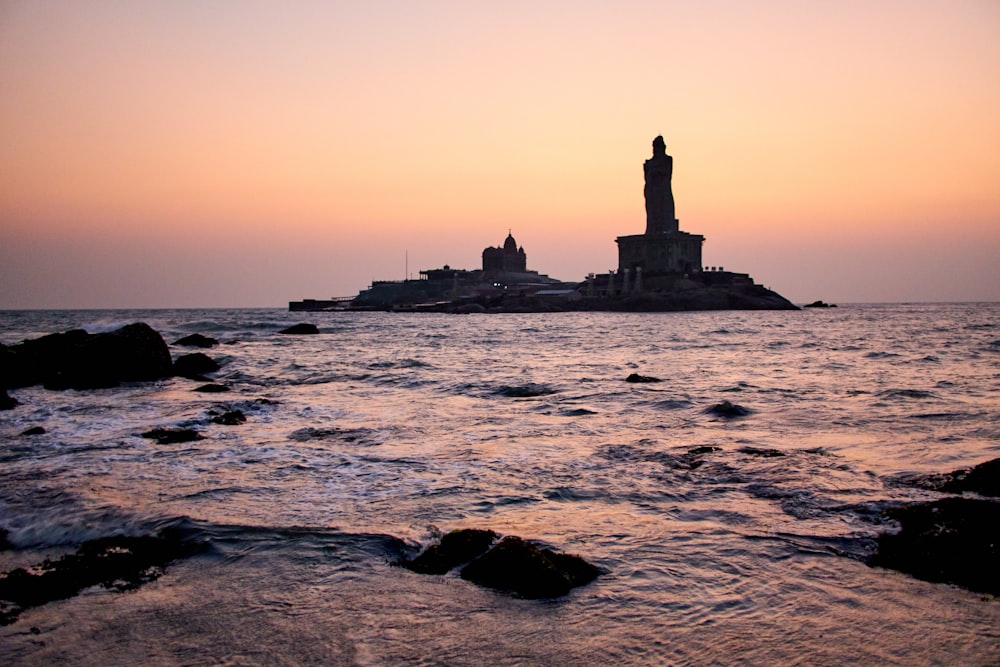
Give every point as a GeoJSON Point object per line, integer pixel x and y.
{"type": "Point", "coordinates": [177, 153]}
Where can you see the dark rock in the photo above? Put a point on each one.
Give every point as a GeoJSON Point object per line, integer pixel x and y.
{"type": "Point", "coordinates": [34, 430]}
{"type": "Point", "coordinates": [230, 418]}
{"type": "Point", "coordinates": [704, 449]}
{"type": "Point", "coordinates": [194, 366]}
{"type": "Point", "coordinates": [635, 377]}
{"type": "Point", "coordinates": [520, 567]}
{"type": "Point", "coordinates": [820, 304]}
{"type": "Point", "coordinates": [954, 540]}
{"type": "Point", "coordinates": [525, 391]}
{"type": "Point", "coordinates": [300, 329]}
{"type": "Point", "coordinates": [457, 547]}
{"type": "Point", "coordinates": [120, 563]}
{"type": "Point", "coordinates": [766, 453]}
{"type": "Point", "coordinates": [79, 360]}
{"type": "Point", "coordinates": [7, 402]}
{"type": "Point", "coordinates": [983, 479]}
{"type": "Point", "coordinates": [196, 340]}
{"type": "Point", "coordinates": [728, 410]}
{"type": "Point", "coordinates": [211, 388]}
{"type": "Point", "coordinates": [169, 436]}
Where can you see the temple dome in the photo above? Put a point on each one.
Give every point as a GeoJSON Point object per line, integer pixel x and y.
{"type": "Point", "coordinates": [510, 245]}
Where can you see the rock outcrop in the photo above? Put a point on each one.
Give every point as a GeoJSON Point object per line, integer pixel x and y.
{"type": "Point", "coordinates": [300, 329]}
{"type": "Point", "coordinates": [196, 340]}
{"type": "Point", "coordinates": [80, 360]}
{"type": "Point", "coordinates": [953, 540]}
{"type": "Point", "coordinates": [513, 565]}
{"type": "Point", "coordinates": [119, 563]}
{"type": "Point", "coordinates": [194, 366]}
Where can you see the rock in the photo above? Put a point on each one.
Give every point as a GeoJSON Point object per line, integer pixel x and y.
{"type": "Point", "coordinates": [196, 340]}
{"type": "Point", "coordinates": [7, 402]}
{"type": "Point", "coordinates": [635, 377]}
{"type": "Point", "coordinates": [79, 360]}
{"type": "Point", "coordinates": [954, 540]}
{"type": "Point", "coordinates": [211, 388]}
{"type": "Point", "coordinates": [820, 304]}
{"type": "Point", "coordinates": [766, 453]}
{"type": "Point", "coordinates": [34, 430]}
{"type": "Point", "coordinates": [169, 436]}
{"type": "Point", "coordinates": [300, 329]}
{"type": "Point", "coordinates": [120, 563]}
{"type": "Point", "coordinates": [230, 418]}
{"type": "Point", "coordinates": [519, 567]}
{"type": "Point", "coordinates": [194, 366]}
{"type": "Point", "coordinates": [983, 479]}
{"type": "Point", "coordinates": [704, 449]}
{"type": "Point", "coordinates": [728, 410]}
{"type": "Point", "coordinates": [457, 547]}
{"type": "Point", "coordinates": [525, 391]}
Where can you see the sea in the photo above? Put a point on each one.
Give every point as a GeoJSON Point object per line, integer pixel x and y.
{"type": "Point", "coordinates": [723, 540]}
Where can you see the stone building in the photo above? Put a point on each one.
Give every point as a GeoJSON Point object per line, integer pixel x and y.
{"type": "Point", "coordinates": [508, 259]}
{"type": "Point", "coordinates": [663, 249]}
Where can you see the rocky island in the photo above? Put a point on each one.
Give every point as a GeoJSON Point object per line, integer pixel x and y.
{"type": "Point", "coordinates": [659, 270]}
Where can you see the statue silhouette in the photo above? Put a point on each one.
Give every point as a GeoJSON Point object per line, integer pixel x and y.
{"type": "Point", "coordinates": [659, 170]}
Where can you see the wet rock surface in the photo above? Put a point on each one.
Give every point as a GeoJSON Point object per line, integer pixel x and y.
{"type": "Point", "coordinates": [79, 360]}
{"type": "Point", "coordinates": [118, 563]}
{"type": "Point", "coordinates": [300, 329]}
{"type": "Point", "coordinates": [642, 379]}
{"type": "Point", "coordinates": [953, 540]}
{"type": "Point", "coordinates": [455, 548]}
{"type": "Point", "coordinates": [517, 566]}
{"type": "Point", "coordinates": [170, 436]}
{"type": "Point", "coordinates": [983, 479]}
{"type": "Point", "coordinates": [230, 418]}
{"type": "Point", "coordinates": [194, 366]}
{"type": "Point", "coordinates": [512, 565]}
{"type": "Point", "coordinates": [196, 340]}
{"type": "Point", "coordinates": [727, 410]}
{"type": "Point", "coordinates": [212, 388]}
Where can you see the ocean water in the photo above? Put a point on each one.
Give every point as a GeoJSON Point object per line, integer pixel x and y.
{"type": "Point", "coordinates": [723, 541]}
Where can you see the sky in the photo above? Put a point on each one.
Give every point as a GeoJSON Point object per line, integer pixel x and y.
{"type": "Point", "coordinates": [210, 153]}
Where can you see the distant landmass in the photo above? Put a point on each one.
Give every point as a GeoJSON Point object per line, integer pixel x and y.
{"type": "Point", "coordinates": [660, 270]}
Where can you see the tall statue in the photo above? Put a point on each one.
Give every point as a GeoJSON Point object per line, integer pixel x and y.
{"type": "Point", "coordinates": [659, 170]}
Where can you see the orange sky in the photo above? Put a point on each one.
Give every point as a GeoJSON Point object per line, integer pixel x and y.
{"type": "Point", "coordinates": [249, 153]}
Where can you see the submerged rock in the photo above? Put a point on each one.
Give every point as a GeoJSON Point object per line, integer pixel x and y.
{"type": "Point", "coordinates": [79, 360]}
{"type": "Point", "coordinates": [34, 430]}
{"type": "Point", "coordinates": [211, 388]}
{"type": "Point", "coordinates": [120, 563]}
{"type": "Point", "coordinates": [194, 366]}
{"type": "Point", "coordinates": [230, 418]}
{"type": "Point", "coordinates": [728, 410]}
{"type": "Point", "coordinates": [954, 540]}
{"type": "Point", "coordinates": [300, 329]}
{"type": "Point", "coordinates": [520, 567]}
{"type": "Point", "coordinates": [170, 436]}
{"type": "Point", "coordinates": [983, 479]}
{"type": "Point", "coordinates": [456, 548]}
{"type": "Point", "coordinates": [643, 379]}
{"type": "Point", "coordinates": [196, 340]}
{"type": "Point", "coordinates": [766, 453]}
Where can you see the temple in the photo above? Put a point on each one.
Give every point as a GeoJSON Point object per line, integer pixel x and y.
{"type": "Point", "coordinates": [664, 249]}
{"type": "Point", "coordinates": [659, 270]}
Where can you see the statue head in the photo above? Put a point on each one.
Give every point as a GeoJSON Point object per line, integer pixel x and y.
{"type": "Point", "coordinates": [659, 147]}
